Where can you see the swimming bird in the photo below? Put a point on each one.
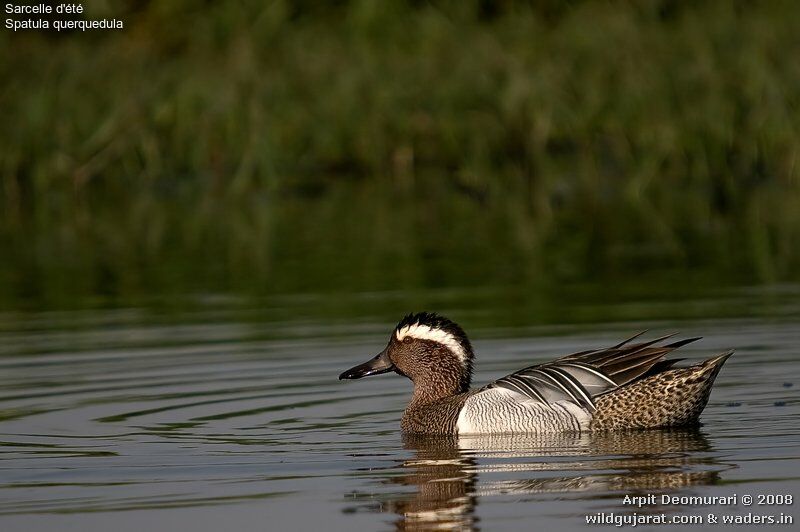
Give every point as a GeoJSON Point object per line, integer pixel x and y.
{"type": "Point", "coordinates": [627, 386]}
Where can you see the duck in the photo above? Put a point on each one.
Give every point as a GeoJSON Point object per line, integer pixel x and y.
{"type": "Point", "coordinates": [630, 385]}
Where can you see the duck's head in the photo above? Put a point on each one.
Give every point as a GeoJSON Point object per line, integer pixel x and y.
{"type": "Point", "coordinates": [426, 348]}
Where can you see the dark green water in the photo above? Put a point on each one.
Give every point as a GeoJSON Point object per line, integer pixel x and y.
{"type": "Point", "coordinates": [231, 416]}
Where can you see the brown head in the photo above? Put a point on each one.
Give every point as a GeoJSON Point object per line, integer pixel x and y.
{"type": "Point", "coordinates": [431, 350]}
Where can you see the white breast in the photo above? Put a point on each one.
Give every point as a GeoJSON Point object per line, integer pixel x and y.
{"type": "Point", "coordinates": [500, 410]}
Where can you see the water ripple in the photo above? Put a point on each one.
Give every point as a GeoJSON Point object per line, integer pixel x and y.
{"type": "Point", "coordinates": [192, 416]}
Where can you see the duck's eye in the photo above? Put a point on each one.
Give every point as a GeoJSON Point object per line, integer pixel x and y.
{"type": "Point", "coordinates": [407, 340]}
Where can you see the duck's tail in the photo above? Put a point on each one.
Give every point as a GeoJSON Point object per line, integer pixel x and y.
{"type": "Point", "coordinates": [670, 398]}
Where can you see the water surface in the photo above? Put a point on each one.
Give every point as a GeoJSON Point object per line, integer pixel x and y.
{"type": "Point", "coordinates": [120, 419]}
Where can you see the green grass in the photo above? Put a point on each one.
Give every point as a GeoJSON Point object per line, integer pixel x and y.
{"type": "Point", "coordinates": [282, 147]}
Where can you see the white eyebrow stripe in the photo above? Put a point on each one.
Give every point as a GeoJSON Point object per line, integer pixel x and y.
{"type": "Point", "coordinates": [425, 332]}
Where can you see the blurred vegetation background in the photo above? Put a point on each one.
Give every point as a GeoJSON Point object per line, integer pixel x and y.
{"type": "Point", "coordinates": [274, 147]}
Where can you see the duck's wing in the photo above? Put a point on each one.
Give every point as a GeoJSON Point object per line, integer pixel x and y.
{"type": "Point", "coordinates": [580, 377]}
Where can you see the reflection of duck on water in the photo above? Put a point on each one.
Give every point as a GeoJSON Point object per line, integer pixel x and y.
{"type": "Point", "coordinates": [651, 460]}
{"type": "Point", "coordinates": [445, 486]}
{"type": "Point", "coordinates": [446, 470]}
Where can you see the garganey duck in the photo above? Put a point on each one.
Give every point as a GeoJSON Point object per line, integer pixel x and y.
{"type": "Point", "coordinates": [627, 386]}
